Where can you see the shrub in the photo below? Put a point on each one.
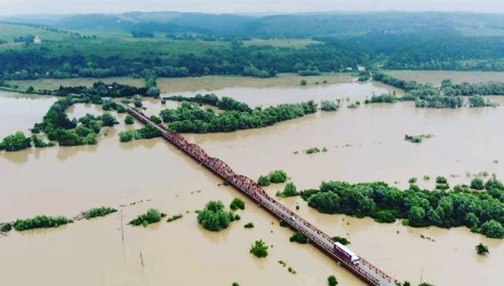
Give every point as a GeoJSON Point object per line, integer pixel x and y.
{"type": "Point", "coordinates": [15, 142]}
{"type": "Point", "coordinates": [341, 240]}
{"type": "Point", "coordinates": [175, 217]}
{"type": "Point", "coordinates": [249, 225]}
{"type": "Point", "coordinates": [290, 190]}
{"type": "Point", "coordinates": [108, 119]}
{"type": "Point", "coordinates": [259, 249]}
{"type": "Point", "coordinates": [214, 217]}
{"type": "Point", "coordinates": [303, 82]}
{"type": "Point", "coordinates": [332, 281]}
{"type": "Point", "coordinates": [128, 120]}
{"type": "Point", "coordinates": [492, 229]}
{"type": "Point", "coordinates": [40, 222]}
{"type": "Point", "coordinates": [477, 184]}
{"type": "Point", "coordinates": [299, 238]}
{"type": "Point", "coordinates": [150, 217]}
{"type": "Point", "coordinates": [98, 212]}
{"type": "Point", "coordinates": [6, 227]}
{"type": "Point", "coordinates": [482, 249]}
{"type": "Point", "coordinates": [264, 181]}
{"type": "Point", "coordinates": [385, 216]}
{"type": "Point", "coordinates": [237, 204]}
{"type": "Point", "coordinates": [278, 177]}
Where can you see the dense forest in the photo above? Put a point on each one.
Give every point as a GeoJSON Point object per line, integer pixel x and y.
{"type": "Point", "coordinates": [479, 207]}
{"type": "Point", "coordinates": [446, 96]}
{"type": "Point", "coordinates": [189, 44]}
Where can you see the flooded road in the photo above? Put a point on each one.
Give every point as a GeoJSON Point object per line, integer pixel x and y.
{"type": "Point", "coordinates": [364, 144]}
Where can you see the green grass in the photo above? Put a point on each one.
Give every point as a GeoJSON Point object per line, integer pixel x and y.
{"type": "Point", "coordinates": [9, 31]}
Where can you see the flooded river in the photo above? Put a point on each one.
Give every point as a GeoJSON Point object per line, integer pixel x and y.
{"type": "Point", "coordinates": [364, 144]}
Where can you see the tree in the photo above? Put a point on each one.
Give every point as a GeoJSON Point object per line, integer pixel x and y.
{"type": "Point", "coordinates": [108, 119]}
{"type": "Point", "coordinates": [278, 177]}
{"type": "Point", "coordinates": [332, 281]}
{"type": "Point", "coordinates": [492, 229]}
{"type": "Point", "coordinates": [259, 249]}
{"type": "Point", "coordinates": [214, 217]}
{"type": "Point", "coordinates": [290, 190]}
{"type": "Point", "coordinates": [15, 142]}
{"type": "Point", "coordinates": [153, 92]}
{"type": "Point", "coordinates": [482, 249]}
{"type": "Point", "coordinates": [237, 204]}
{"type": "Point", "coordinates": [477, 184]}
{"type": "Point", "coordinates": [128, 120]}
{"type": "Point", "coordinates": [303, 82]}
{"type": "Point", "coordinates": [264, 181]}
{"type": "Point", "coordinates": [150, 217]}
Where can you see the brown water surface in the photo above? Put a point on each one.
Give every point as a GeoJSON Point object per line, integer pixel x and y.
{"type": "Point", "coordinates": [364, 144]}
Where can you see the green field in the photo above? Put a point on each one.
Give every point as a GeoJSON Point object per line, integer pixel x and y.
{"type": "Point", "coordinates": [9, 31]}
{"type": "Point", "coordinates": [281, 43]}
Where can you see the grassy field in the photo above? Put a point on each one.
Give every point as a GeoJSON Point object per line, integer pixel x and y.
{"type": "Point", "coordinates": [9, 31]}
{"type": "Point", "coordinates": [435, 77]}
{"type": "Point", "coordinates": [281, 43]}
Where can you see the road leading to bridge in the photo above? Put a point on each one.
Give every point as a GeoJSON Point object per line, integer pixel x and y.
{"type": "Point", "coordinates": [364, 270]}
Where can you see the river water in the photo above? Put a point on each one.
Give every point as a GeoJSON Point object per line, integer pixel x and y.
{"type": "Point", "coordinates": [364, 144]}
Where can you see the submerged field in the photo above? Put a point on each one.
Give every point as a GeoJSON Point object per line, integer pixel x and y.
{"type": "Point", "coordinates": [435, 77]}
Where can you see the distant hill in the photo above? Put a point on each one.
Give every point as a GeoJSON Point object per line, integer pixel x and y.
{"type": "Point", "coordinates": [275, 26]}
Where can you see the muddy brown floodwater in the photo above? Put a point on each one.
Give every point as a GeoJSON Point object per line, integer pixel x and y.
{"type": "Point", "coordinates": [364, 144]}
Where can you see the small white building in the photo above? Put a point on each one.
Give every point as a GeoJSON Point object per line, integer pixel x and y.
{"type": "Point", "coordinates": [37, 40]}
{"type": "Point", "coordinates": [361, 68]}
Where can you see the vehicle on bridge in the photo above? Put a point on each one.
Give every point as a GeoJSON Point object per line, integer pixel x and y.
{"type": "Point", "coordinates": [346, 253]}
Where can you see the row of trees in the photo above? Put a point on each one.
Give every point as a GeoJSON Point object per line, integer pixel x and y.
{"type": "Point", "coordinates": [191, 118]}
{"type": "Point", "coordinates": [482, 212]}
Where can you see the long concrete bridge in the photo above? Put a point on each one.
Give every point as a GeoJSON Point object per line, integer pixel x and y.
{"type": "Point", "coordinates": [367, 272]}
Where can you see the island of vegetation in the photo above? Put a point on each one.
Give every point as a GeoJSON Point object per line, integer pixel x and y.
{"type": "Point", "coordinates": [274, 177]}
{"type": "Point", "coordinates": [332, 281]}
{"type": "Point", "coordinates": [150, 217]}
{"type": "Point", "coordinates": [417, 138]}
{"type": "Point", "coordinates": [41, 221]}
{"type": "Point", "coordinates": [259, 249]}
{"type": "Point", "coordinates": [174, 217]}
{"type": "Point", "coordinates": [214, 216]}
{"type": "Point", "coordinates": [290, 190]}
{"type": "Point", "coordinates": [482, 249]}
{"type": "Point", "coordinates": [482, 212]}
{"type": "Point", "coordinates": [99, 212]}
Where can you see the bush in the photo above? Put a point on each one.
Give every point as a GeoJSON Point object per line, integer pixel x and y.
{"type": "Point", "coordinates": [385, 216]}
{"type": "Point", "coordinates": [492, 229]}
{"type": "Point", "coordinates": [98, 212]}
{"type": "Point", "coordinates": [15, 142]}
{"type": "Point", "coordinates": [327, 105]}
{"type": "Point", "coordinates": [477, 184]}
{"type": "Point", "coordinates": [128, 120]}
{"type": "Point", "coordinates": [40, 222]}
{"type": "Point", "coordinates": [264, 181]}
{"type": "Point", "coordinates": [290, 190]}
{"type": "Point", "coordinates": [299, 238]}
{"type": "Point", "coordinates": [303, 82]}
{"type": "Point", "coordinates": [332, 281]}
{"type": "Point", "coordinates": [259, 249]}
{"type": "Point", "coordinates": [214, 217]}
{"type": "Point", "coordinates": [237, 204]}
{"type": "Point", "coordinates": [482, 249]}
{"type": "Point", "coordinates": [249, 225]}
{"type": "Point", "coordinates": [6, 227]}
{"type": "Point", "coordinates": [108, 119]}
{"type": "Point", "coordinates": [127, 136]}
{"type": "Point", "coordinates": [278, 177]}
{"type": "Point", "coordinates": [175, 217]}
{"type": "Point", "coordinates": [150, 217]}
{"type": "Point", "coordinates": [341, 240]}
{"type": "Point", "coordinates": [313, 150]}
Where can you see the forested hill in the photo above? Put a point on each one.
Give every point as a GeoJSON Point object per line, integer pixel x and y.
{"type": "Point", "coordinates": [171, 44]}
{"type": "Point", "coordinates": [276, 26]}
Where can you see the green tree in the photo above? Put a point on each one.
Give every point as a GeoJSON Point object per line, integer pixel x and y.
{"type": "Point", "coordinates": [150, 217]}
{"type": "Point", "coordinates": [15, 142]}
{"type": "Point", "coordinates": [259, 249]}
{"type": "Point", "coordinates": [129, 120]}
{"type": "Point", "coordinates": [332, 281]}
{"type": "Point", "coordinates": [153, 92]}
{"type": "Point", "coordinates": [214, 217]}
{"type": "Point", "coordinates": [264, 181]}
{"type": "Point", "coordinates": [108, 119]}
{"type": "Point", "coordinates": [492, 229]}
{"type": "Point", "coordinates": [482, 249]}
{"type": "Point", "coordinates": [303, 82]}
{"type": "Point", "coordinates": [237, 204]}
{"type": "Point", "coordinates": [278, 177]}
{"type": "Point", "coordinates": [290, 190]}
{"type": "Point", "coordinates": [477, 184]}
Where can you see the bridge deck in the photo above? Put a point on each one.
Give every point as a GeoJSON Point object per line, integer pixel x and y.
{"type": "Point", "coordinates": [365, 270]}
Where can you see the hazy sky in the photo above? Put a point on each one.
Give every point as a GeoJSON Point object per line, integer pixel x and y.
{"type": "Point", "coordinates": [17, 7]}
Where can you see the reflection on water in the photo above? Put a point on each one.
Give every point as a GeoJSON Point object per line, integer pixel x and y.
{"type": "Point", "coordinates": [364, 144]}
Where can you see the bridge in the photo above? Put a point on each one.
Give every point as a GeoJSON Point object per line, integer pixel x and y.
{"type": "Point", "coordinates": [368, 273]}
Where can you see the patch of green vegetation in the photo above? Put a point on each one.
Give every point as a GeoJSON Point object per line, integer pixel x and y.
{"type": "Point", "coordinates": [99, 212]}
{"type": "Point", "coordinates": [313, 150]}
{"type": "Point", "coordinates": [146, 132]}
{"type": "Point", "coordinates": [40, 222]}
{"type": "Point", "coordinates": [275, 177]}
{"type": "Point", "coordinates": [327, 105]}
{"type": "Point", "coordinates": [150, 217]}
{"type": "Point", "coordinates": [6, 227]}
{"type": "Point", "coordinates": [299, 238]}
{"type": "Point", "coordinates": [214, 217]}
{"type": "Point", "coordinates": [175, 217]}
{"type": "Point", "coordinates": [417, 138]}
{"type": "Point", "coordinates": [482, 212]}
{"type": "Point", "coordinates": [332, 281]}
{"type": "Point", "coordinates": [382, 98]}
{"type": "Point", "coordinates": [482, 249]}
{"type": "Point", "coordinates": [15, 142]}
{"type": "Point", "coordinates": [290, 190]}
{"type": "Point", "coordinates": [128, 120]}
{"type": "Point", "coordinates": [237, 204]}
{"type": "Point", "coordinates": [340, 239]}
{"type": "Point", "coordinates": [259, 249]}
{"type": "Point", "coordinates": [249, 225]}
